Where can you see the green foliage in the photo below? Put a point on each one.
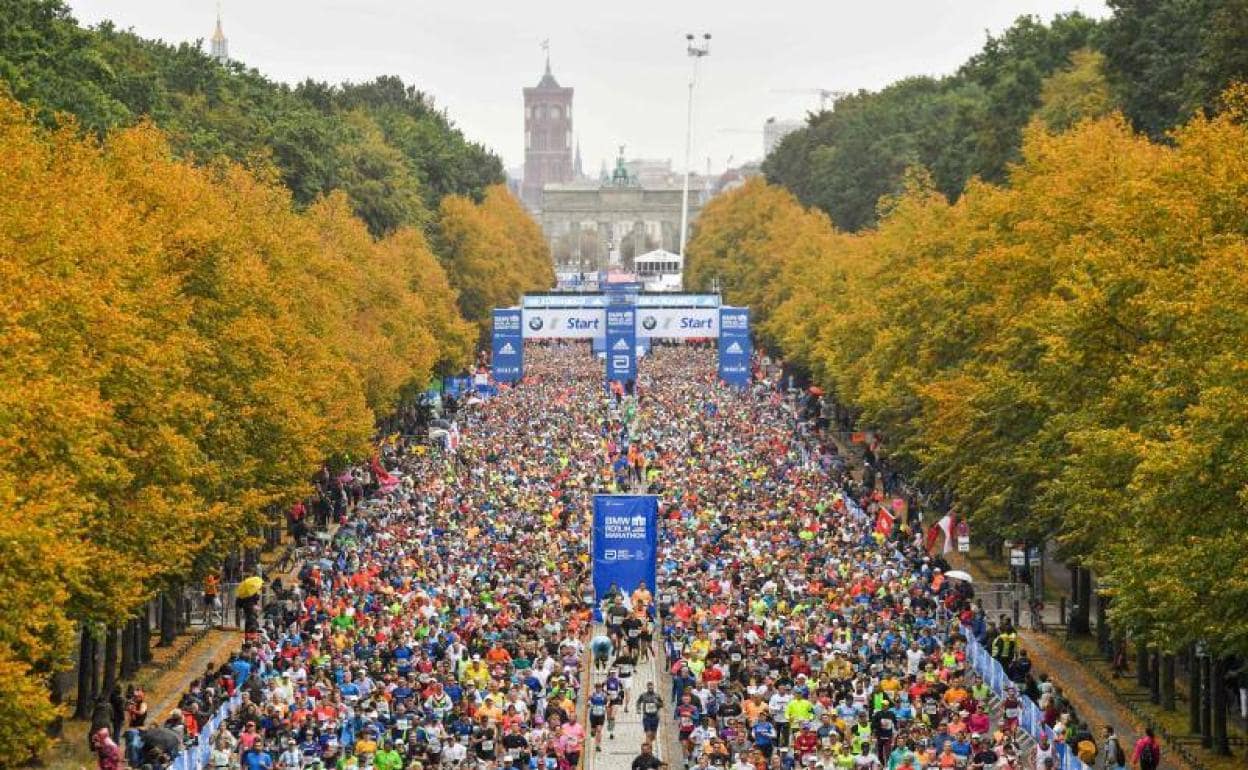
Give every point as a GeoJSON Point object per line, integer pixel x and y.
{"type": "Point", "coordinates": [1170, 59]}
{"type": "Point", "coordinates": [1011, 70]}
{"type": "Point", "coordinates": [969, 124]}
{"type": "Point", "coordinates": [383, 143]}
{"type": "Point", "coordinates": [1079, 92]}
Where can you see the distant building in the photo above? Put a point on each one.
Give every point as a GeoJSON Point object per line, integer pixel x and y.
{"type": "Point", "coordinates": [733, 178]}
{"type": "Point", "coordinates": [653, 172]}
{"type": "Point", "coordinates": [220, 46]}
{"type": "Point", "coordinates": [775, 130]}
{"type": "Point", "coordinates": [547, 138]}
{"type": "Point", "coordinates": [607, 223]}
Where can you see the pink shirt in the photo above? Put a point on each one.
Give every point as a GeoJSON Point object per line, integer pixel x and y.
{"type": "Point", "coordinates": [572, 736]}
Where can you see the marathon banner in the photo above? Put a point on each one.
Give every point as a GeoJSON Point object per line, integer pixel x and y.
{"type": "Point", "coordinates": [735, 347]}
{"type": "Point", "coordinates": [678, 323]}
{"type": "Point", "coordinates": [625, 545]}
{"type": "Point", "coordinates": [507, 359]}
{"type": "Point", "coordinates": [454, 386]}
{"type": "Point", "coordinates": [588, 323]}
{"type": "Point", "coordinates": [573, 300]}
{"type": "Point", "coordinates": [621, 339]}
{"type": "Point", "coordinates": [563, 323]}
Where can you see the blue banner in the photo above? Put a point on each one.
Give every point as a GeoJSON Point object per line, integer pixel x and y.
{"type": "Point", "coordinates": [735, 347]}
{"type": "Point", "coordinates": [621, 340]}
{"type": "Point", "coordinates": [456, 386]}
{"type": "Point", "coordinates": [625, 545]}
{"type": "Point", "coordinates": [507, 359]}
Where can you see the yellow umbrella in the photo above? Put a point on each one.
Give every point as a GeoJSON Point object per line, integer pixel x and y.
{"type": "Point", "coordinates": [249, 587]}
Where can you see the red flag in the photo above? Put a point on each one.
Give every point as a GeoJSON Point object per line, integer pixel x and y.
{"type": "Point", "coordinates": [383, 477]}
{"type": "Point", "coordinates": [942, 527]}
{"type": "Point", "coordinates": [884, 522]}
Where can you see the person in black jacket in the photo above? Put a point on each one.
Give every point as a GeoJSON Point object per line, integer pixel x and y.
{"type": "Point", "coordinates": [101, 716]}
{"type": "Point", "coordinates": [118, 703]}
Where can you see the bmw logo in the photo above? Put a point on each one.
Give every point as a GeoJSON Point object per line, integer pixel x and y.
{"type": "Point", "coordinates": [649, 322]}
{"type": "Point", "coordinates": [535, 323]}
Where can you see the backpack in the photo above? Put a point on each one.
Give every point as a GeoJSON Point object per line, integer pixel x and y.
{"type": "Point", "coordinates": [1120, 756]}
{"type": "Point", "coordinates": [1148, 755]}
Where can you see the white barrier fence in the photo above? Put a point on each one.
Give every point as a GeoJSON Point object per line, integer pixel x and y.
{"type": "Point", "coordinates": [1031, 719]}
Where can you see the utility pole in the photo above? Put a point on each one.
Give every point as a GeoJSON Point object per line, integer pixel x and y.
{"type": "Point", "coordinates": [696, 51]}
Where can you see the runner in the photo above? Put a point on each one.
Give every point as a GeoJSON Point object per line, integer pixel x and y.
{"type": "Point", "coordinates": [599, 703]}
{"type": "Point", "coordinates": [616, 694]}
{"type": "Point", "coordinates": [650, 706]}
{"type": "Point", "coordinates": [446, 618]}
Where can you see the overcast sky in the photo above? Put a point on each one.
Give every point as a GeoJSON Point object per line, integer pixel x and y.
{"type": "Point", "coordinates": [626, 60]}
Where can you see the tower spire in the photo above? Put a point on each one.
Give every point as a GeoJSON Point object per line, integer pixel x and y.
{"type": "Point", "coordinates": [220, 46]}
{"type": "Point", "coordinates": [546, 48]}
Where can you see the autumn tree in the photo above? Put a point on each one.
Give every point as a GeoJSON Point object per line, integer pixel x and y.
{"type": "Point", "coordinates": [493, 253]}
{"type": "Point", "coordinates": [185, 349]}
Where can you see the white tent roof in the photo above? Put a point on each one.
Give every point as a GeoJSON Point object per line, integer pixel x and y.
{"type": "Point", "coordinates": [658, 255]}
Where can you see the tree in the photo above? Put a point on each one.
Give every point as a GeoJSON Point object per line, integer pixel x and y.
{"type": "Point", "coordinates": [1062, 354]}
{"type": "Point", "coordinates": [970, 124]}
{"type": "Point", "coordinates": [493, 252]}
{"type": "Point", "coordinates": [1079, 92]}
{"type": "Point", "coordinates": [1170, 59]}
{"type": "Point", "coordinates": [383, 143]}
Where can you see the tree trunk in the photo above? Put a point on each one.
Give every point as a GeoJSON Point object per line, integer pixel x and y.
{"type": "Point", "coordinates": [1167, 681]}
{"type": "Point", "coordinates": [82, 709]}
{"type": "Point", "coordinates": [1103, 639]}
{"type": "Point", "coordinates": [1221, 743]}
{"type": "Point", "coordinates": [110, 660]}
{"type": "Point", "coordinates": [129, 662]}
{"type": "Point", "coordinates": [1206, 703]}
{"type": "Point", "coordinates": [144, 629]}
{"type": "Point", "coordinates": [1194, 695]}
{"type": "Point", "coordinates": [1141, 663]}
{"type": "Point", "coordinates": [1154, 677]}
{"type": "Point", "coordinates": [1072, 625]}
{"type": "Point", "coordinates": [56, 694]}
{"type": "Point", "coordinates": [168, 619]}
{"type": "Point", "coordinates": [1081, 587]}
{"type": "Point", "coordinates": [95, 669]}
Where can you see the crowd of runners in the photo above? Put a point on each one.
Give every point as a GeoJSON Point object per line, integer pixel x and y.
{"type": "Point", "coordinates": [447, 622]}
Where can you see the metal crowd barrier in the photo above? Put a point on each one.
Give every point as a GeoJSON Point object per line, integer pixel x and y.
{"type": "Point", "coordinates": [1031, 719]}
{"type": "Point", "coordinates": [195, 756]}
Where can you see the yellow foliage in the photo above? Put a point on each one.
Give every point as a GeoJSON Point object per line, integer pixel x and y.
{"type": "Point", "coordinates": [493, 253]}
{"type": "Point", "coordinates": [183, 350]}
{"type": "Point", "coordinates": [1065, 353]}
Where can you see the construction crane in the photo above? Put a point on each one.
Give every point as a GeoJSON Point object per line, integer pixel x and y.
{"type": "Point", "coordinates": [824, 95]}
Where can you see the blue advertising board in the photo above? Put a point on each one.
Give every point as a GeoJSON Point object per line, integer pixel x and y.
{"type": "Point", "coordinates": [456, 386]}
{"type": "Point", "coordinates": [621, 341]}
{"type": "Point", "coordinates": [507, 359]}
{"type": "Point", "coordinates": [625, 545]}
{"type": "Point", "coordinates": [735, 346]}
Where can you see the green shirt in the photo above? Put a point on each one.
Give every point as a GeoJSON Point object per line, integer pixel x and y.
{"type": "Point", "coordinates": [799, 710]}
{"type": "Point", "coordinates": [387, 759]}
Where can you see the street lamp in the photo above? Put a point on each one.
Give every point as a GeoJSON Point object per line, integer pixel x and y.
{"type": "Point", "coordinates": [696, 51]}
